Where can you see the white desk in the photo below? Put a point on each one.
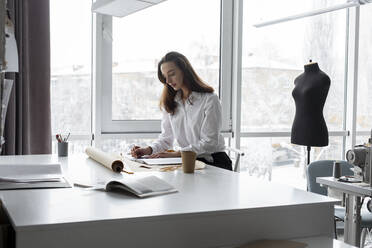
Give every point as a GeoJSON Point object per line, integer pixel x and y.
{"type": "Point", "coordinates": [213, 208]}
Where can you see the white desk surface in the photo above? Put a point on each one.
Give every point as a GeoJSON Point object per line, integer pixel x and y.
{"type": "Point", "coordinates": [362, 189]}
{"type": "Point", "coordinates": [206, 191]}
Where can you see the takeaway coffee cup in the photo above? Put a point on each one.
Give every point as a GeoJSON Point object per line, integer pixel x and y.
{"type": "Point", "coordinates": [188, 161]}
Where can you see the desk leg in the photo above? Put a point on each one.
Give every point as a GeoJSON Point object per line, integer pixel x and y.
{"type": "Point", "coordinates": [352, 220]}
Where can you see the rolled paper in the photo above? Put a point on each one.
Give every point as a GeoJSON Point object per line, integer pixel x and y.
{"type": "Point", "coordinates": [110, 161]}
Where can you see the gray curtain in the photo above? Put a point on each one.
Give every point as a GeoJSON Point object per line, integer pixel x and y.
{"type": "Point", "coordinates": [28, 123]}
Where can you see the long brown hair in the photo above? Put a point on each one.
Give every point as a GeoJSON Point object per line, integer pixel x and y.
{"type": "Point", "coordinates": [191, 80]}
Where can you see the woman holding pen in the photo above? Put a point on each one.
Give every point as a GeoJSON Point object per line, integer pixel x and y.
{"type": "Point", "coordinates": [191, 115]}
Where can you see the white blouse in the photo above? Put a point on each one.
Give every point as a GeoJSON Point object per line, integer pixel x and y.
{"type": "Point", "coordinates": [195, 125]}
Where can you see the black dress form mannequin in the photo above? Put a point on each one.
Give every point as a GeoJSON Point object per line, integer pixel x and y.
{"type": "Point", "coordinates": [311, 89]}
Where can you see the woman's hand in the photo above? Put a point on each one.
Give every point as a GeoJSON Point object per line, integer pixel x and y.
{"type": "Point", "coordinates": [166, 155]}
{"type": "Point", "coordinates": [138, 152]}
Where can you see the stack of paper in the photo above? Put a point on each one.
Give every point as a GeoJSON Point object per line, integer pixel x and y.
{"type": "Point", "coordinates": [32, 176]}
{"type": "Point", "coordinates": [156, 161]}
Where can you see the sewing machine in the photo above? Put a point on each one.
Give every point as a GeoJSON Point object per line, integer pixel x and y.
{"type": "Point", "coordinates": [361, 157]}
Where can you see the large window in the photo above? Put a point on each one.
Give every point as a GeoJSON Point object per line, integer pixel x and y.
{"type": "Point", "coordinates": [127, 89]}
{"type": "Point", "coordinates": [364, 110]}
{"type": "Point", "coordinates": [140, 40]}
{"type": "Point", "coordinates": [71, 40]}
{"type": "Point", "coordinates": [272, 57]}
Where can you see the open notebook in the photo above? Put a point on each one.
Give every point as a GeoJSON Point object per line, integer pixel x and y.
{"type": "Point", "coordinates": [22, 176]}
{"type": "Point", "coordinates": [141, 187]}
{"type": "Point", "coordinates": [138, 185]}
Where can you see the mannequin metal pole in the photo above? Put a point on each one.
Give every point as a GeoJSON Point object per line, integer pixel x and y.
{"type": "Point", "coordinates": [308, 154]}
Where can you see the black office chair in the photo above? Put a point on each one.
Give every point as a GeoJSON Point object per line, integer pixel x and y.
{"type": "Point", "coordinates": [324, 168]}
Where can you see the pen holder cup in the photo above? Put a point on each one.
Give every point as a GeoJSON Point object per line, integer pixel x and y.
{"type": "Point", "coordinates": [188, 161]}
{"type": "Point", "coordinates": [62, 149]}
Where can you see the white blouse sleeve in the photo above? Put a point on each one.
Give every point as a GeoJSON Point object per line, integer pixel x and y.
{"type": "Point", "coordinates": [210, 129]}
{"type": "Point", "coordinates": [166, 138]}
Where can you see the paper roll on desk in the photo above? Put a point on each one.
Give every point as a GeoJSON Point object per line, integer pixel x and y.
{"type": "Point", "coordinates": [111, 161]}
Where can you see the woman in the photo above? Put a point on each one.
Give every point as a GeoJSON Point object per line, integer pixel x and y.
{"type": "Point", "coordinates": [191, 115]}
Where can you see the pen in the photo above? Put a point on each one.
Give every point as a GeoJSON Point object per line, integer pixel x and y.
{"type": "Point", "coordinates": [67, 137]}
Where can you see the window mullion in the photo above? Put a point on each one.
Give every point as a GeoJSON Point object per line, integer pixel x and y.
{"type": "Point", "coordinates": [352, 75]}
